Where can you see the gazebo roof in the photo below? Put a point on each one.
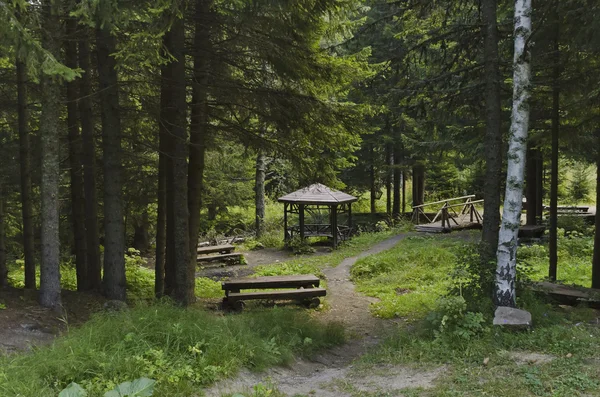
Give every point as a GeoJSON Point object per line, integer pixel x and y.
{"type": "Point", "coordinates": [317, 194]}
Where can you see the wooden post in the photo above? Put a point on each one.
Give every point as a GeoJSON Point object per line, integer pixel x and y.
{"type": "Point", "coordinates": [350, 216]}
{"type": "Point", "coordinates": [301, 212]}
{"type": "Point", "coordinates": [285, 222]}
{"type": "Point", "coordinates": [334, 229]}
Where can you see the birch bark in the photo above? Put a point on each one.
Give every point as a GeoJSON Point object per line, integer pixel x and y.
{"type": "Point", "coordinates": [511, 217]}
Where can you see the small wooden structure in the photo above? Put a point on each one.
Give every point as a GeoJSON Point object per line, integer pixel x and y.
{"type": "Point", "coordinates": [224, 253]}
{"type": "Point", "coordinates": [569, 294]}
{"type": "Point", "coordinates": [451, 214]}
{"type": "Point", "coordinates": [306, 289]}
{"type": "Point", "coordinates": [329, 212]}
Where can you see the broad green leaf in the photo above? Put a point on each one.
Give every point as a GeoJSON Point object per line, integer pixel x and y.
{"type": "Point", "coordinates": [142, 387]}
{"type": "Point", "coordinates": [73, 390]}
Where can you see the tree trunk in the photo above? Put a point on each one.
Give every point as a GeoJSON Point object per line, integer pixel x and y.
{"type": "Point", "coordinates": [531, 185]}
{"type": "Point", "coordinates": [373, 182]}
{"type": "Point", "coordinates": [92, 233]}
{"type": "Point", "coordinates": [161, 218]}
{"type": "Point", "coordinates": [418, 189]}
{"type": "Point", "coordinates": [539, 205]}
{"type": "Point", "coordinates": [178, 247]}
{"type": "Point", "coordinates": [49, 125]}
{"type": "Point", "coordinates": [259, 189]}
{"type": "Point", "coordinates": [493, 132]}
{"type": "Point", "coordinates": [199, 121]}
{"type": "Point", "coordinates": [114, 282]}
{"type": "Point", "coordinates": [3, 268]}
{"type": "Point", "coordinates": [141, 235]}
{"type": "Point", "coordinates": [397, 179]}
{"type": "Point", "coordinates": [389, 160]}
{"type": "Point", "coordinates": [596, 258]}
{"type": "Point", "coordinates": [75, 161]}
{"type": "Point", "coordinates": [553, 242]}
{"type": "Point", "coordinates": [25, 164]}
{"type": "Point", "coordinates": [505, 294]}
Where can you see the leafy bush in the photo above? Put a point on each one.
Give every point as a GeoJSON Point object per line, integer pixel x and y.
{"type": "Point", "coordinates": [300, 246]}
{"type": "Point", "coordinates": [451, 319]}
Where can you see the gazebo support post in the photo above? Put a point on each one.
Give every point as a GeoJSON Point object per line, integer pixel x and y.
{"type": "Point", "coordinates": [301, 211]}
{"type": "Point", "coordinates": [350, 216]}
{"type": "Point", "coordinates": [334, 228]}
{"type": "Point", "coordinates": [285, 222]}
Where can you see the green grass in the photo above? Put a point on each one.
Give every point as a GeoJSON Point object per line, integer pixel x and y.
{"type": "Point", "coordinates": [182, 349]}
{"type": "Point", "coordinates": [571, 342]}
{"type": "Point", "coordinates": [314, 264]}
{"type": "Point", "coordinates": [412, 276]}
{"type": "Point", "coordinates": [575, 252]}
{"type": "Point", "coordinates": [409, 278]}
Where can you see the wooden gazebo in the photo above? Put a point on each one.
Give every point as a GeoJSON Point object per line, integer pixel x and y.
{"type": "Point", "coordinates": [320, 212]}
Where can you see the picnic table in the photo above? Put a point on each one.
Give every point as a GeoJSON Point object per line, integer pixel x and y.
{"type": "Point", "coordinates": [305, 289]}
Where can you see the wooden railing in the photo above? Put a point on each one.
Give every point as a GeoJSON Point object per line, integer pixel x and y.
{"type": "Point", "coordinates": [447, 211]}
{"type": "Point", "coordinates": [319, 230]}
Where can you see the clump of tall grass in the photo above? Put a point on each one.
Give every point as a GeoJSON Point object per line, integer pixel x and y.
{"type": "Point", "coordinates": [183, 350]}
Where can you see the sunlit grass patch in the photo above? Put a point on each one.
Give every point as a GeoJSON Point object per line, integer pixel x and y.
{"type": "Point", "coordinates": [409, 278]}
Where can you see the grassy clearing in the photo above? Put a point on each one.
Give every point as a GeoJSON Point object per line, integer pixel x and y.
{"type": "Point", "coordinates": [570, 342]}
{"type": "Point", "coordinates": [182, 349]}
{"type": "Point", "coordinates": [314, 264]}
{"type": "Point", "coordinates": [413, 279]}
{"type": "Point", "coordinates": [409, 278]}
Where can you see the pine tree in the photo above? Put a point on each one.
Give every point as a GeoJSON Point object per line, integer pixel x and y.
{"type": "Point", "coordinates": [49, 132]}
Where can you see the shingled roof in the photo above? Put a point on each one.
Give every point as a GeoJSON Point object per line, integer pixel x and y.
{"type": "Point", "coordinates": [317, 194]}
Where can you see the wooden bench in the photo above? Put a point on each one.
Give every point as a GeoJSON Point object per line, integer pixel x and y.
{"type": "Point", "coordinates": [233, 258]}
{"type": "Point", "coordinates": [561, 209]}
{"type": "Point", "coordinates": [216, 249]}
{"type": "Point", "coordinates": [306, 290]}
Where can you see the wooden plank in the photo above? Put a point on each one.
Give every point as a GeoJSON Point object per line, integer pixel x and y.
{"type": "Point", "coordinates": [236, 256]}
{"type": "Point", "coordinates": [271, 282]}
{"type": "Point", "coordinates": [295, 294]}
{"type": "Point", "coordinates": [568, 291]}
{"type": "Point", "coordinates": [223, 249]}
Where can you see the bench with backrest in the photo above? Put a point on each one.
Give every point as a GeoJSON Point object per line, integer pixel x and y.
{"type": "Point", "coordinates": [304, 288]}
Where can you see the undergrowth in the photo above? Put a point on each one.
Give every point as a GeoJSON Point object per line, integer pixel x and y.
{"type": "Point", "coordinates": [182, 350]}
{"type": "Point", "coordinates": [140, 279]}
{"type": "Point", "coordinates": [409, 278]}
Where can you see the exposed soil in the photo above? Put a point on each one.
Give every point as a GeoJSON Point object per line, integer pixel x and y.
{"type": "Point", "coordinates": [23, 323]}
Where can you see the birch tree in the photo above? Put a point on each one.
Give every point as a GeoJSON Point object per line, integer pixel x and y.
{"type": "Point", "coordinates": [511, 218]}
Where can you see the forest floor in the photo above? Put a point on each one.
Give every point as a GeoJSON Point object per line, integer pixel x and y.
{"type": "Point", "coordinates": [24, 323]}
{"type": "Point", "coordinates": [332, 372]}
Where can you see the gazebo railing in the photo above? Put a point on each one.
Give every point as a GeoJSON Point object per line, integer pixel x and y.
{"type": "Point", "coordinates": [319, 230]}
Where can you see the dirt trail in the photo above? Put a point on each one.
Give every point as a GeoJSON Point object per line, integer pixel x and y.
{"type": "Point", "coordinates": [332, 373]}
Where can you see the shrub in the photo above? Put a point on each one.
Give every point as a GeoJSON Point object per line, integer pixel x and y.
{"type": "Point", "coordinates": [451, 319]}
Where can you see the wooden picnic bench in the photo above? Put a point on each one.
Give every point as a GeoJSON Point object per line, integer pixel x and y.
{"type": "Point", "coordinates": [231, 259]}
{"type": "Point", "coordinates": [214, 249]}
{"type": "Point", "coordinates": [306, 289]}
{"type": "Point", "coordinates": [224, 254]}
{"type": "Point", "coordinates": [564, 209]}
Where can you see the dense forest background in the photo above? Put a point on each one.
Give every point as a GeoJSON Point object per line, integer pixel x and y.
{"type": "Point", "coordinates": [148, 124]}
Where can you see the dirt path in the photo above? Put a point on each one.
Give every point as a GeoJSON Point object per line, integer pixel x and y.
{"type": "Point", "coordinates": [332, 373]}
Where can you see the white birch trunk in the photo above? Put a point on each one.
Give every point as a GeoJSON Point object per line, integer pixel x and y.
{"type": "Point", "coordinates": [511, 217]}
